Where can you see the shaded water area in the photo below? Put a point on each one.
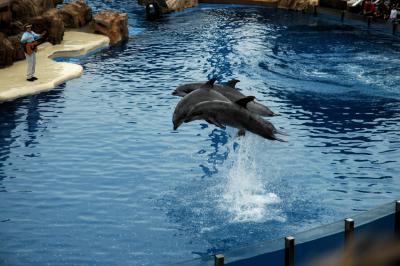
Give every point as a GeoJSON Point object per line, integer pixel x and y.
{"type": "Point", "coordinates": [92, 172]}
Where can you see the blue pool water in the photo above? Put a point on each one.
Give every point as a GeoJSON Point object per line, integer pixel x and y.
{"type": "Point", "coordinates": [92, 173]}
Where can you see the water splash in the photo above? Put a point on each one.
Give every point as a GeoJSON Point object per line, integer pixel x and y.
{"type": "Point", "coordinates": [245, 194]}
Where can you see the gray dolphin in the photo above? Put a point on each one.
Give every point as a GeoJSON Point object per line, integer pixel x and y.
{"type": "Point", "coordinates": [229, 91]}
{"type": "Point", "coordinates": [204, 92]}
{"type": "Point", "coordinates": [185, 89]}
{"type": "Point", "coordinates": [221, 113]}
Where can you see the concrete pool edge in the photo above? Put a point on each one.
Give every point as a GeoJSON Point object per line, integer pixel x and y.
{"type": "Point", "coordinates": [49, 72]}
{"type": "Point", "coordinates": [383, 220]}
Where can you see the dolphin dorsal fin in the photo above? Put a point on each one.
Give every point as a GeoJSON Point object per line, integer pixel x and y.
{"type": "Point", "coordinates": [244, 101]}
{"type": "Point", "coordinates": [209, 84]}
{"type": "Point", "coordinates": [232, 83]}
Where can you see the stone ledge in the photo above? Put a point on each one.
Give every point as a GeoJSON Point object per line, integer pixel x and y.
{"type": "Point", "coordinates": [50, 73]}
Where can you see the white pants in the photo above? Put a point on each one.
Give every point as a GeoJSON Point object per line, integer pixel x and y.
{"type": "Point", "coordinates": [31, 59]}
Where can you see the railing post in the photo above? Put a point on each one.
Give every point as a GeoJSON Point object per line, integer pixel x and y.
{"type": "Point", "coordinates": [397, 219]}
{"type": "Point", "coordinates": [342, 16]}
{"type": "Point", "coordinates": [348, 230]}
{"type": "Point", "coordinates": [289, 251]}
{"type": "Point", "coordinates": [315, 11]}
{"type": "Point", "coordinates": [369, 19]}
{"type": "Point", "coordinates": [219, 260]}
{"type": "Point", "coordinates": [394, 27]}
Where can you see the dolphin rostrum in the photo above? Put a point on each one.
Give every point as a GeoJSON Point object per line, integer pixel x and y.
{"type": "Point", "coordinates": [204, 92]}
{"type": "Point", "coordinates": [221, 113]}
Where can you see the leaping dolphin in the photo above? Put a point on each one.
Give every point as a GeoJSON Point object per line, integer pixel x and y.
{"type": "Point", "coordinates": [185, 89]}
{"type": "Point", "coordinates": [222, 113]}
{"type": "Point", "coordinates": [203, 92]}
{"type": "Point", "coordinates": [230, 92]}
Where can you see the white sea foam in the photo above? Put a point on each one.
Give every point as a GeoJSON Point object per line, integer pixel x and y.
{"type": "Point", "coordinates": [245, 194]}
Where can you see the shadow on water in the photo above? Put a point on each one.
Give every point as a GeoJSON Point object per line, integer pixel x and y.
{"type": "Point", "coordinates": [8, 118]}
{"type": "Point", "coordinates": [28, 111]}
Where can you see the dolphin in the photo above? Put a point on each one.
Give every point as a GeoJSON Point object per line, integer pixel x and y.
{"type": "Point", "coordinates": [203, 93]}
{"type": "Point", "coordinates": [221, 113]}
{"type": "Point", "coordinates": [229, 91]}
{"type": "Point", "coordinates": [185, 89]}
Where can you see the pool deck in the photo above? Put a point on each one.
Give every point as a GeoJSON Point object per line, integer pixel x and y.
{"type": "Point", "coordinates": [50, 73]}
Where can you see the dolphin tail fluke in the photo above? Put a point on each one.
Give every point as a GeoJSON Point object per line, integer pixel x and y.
{"type": "Point", "coordinates": [232, 83]}
{"type": "Point", "coordinates": [282, 133]}
{"type": "Point", "coordinates": [273, 136]}
{"type": "Point", "coordinates": [278, 132]}
{"type": "Point", "coordinates": [244, 101]}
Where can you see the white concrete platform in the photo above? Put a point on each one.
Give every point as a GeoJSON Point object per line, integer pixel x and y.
{"type": "Point", "coordinates": [13, 83]}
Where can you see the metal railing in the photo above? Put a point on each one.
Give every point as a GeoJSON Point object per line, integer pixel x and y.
{"type": "Point", "coordinates": [310, 243]}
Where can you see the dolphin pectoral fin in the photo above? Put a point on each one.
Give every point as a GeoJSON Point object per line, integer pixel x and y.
{"type": "Point", "coordinates": [232, 83]}
{"type": "Point", "coordinates": [213, 121]}
{"type": "Point", "coordinates": [244, 101]}
{"type": "Point", "coordinates": [209, 84]}
{"type": "Point", "coordinates": [241, 132]}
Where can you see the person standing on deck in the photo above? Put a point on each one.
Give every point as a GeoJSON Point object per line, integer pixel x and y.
{"type": "Point", "coordinates": [28, 40]}
{"type": "Point", "coordinates": [393, 14]}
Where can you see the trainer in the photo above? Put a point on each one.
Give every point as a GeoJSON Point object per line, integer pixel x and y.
{"type": "Point", "coordinates": [28, 40]}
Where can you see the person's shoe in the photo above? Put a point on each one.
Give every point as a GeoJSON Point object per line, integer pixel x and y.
{"type": "Point", "coordinates": [34, 78]}
{"type": "Point", "coordinates": [30, 79]}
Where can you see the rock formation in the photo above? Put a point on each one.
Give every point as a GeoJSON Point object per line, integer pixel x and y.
{"type": "Point", "coordinates": [165, 6]}
{"type": "Point", "coordinates": [23, 9]}
{"type": "Point", "coordinates": [297, 4]}
{"type": "Point", "coordinates": [5, 13]}
{"type": "Point", "coordinates": [76, 14]}
{"type": "Point", "coordinates": [179, 5]}
{"type": "Point", "coordinates": [6, 51]}
{"type": "Point", "coordinates": [18, 49]}
{"type": "Point", "coordinates": [52, 22]}
{"type": "Point", "coordinates": [112, 24]}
